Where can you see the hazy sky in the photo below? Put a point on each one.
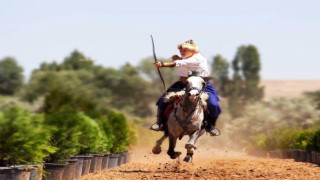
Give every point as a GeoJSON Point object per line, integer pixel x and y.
{"type": "Point", "coordinates": [286, 32]}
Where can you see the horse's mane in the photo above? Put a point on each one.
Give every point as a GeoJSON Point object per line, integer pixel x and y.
{"type": "Point", "coordinates": [172, 95]}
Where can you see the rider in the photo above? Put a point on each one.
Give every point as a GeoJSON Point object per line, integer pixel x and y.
{"type": "Point", "coordinates": [190, 60]}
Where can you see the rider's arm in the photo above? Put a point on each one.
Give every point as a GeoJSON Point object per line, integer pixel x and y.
{"type": "Point", "coordinates": [192, 61]}
{"type": "Point", "coordinates": [168, 64]}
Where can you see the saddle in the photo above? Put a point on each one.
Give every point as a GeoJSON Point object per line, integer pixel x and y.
{"type": "Point", "coordinates": [171, 107]}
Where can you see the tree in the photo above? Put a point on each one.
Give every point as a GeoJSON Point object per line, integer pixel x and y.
{"type": "Point", "coordinates": [220, 73]}
{"type": "Point", "coordinates": [11, 77]}
{"type": "Point", "coordinates": [77, 61]}
{"type": "Point", "coordinates": [79, 96]}
{"type": "Point", "coordinates": [250, 69]}
{"type": "Point", "coordinates": [38, 85]}
{"type": "Point", "coordinates": [245, 84]}
{"type": "Point", "coordinates": [133, 92]}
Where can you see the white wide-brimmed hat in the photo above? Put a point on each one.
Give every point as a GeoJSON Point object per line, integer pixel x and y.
{"type": "Point", "coordinates": [189, 45]}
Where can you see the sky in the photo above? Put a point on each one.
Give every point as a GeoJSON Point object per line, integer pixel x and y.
{"type": "Point", "coordinates": [113, 32]}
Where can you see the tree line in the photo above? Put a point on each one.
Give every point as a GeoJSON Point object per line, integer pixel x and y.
{"type": "Point", "coordinates": [94, 89]}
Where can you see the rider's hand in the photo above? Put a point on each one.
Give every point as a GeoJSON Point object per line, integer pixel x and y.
{"type": "Point", "coordinates": [158, 64]}
{"type": "Point", "coordinates": [176, 57]}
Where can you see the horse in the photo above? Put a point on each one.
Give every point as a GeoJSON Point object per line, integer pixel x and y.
{"type": "Point", "coordinates": [186, 118]}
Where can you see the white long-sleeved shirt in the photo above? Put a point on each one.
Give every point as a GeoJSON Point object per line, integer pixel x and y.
{"type": "Point", "coordinates": [194, 63]}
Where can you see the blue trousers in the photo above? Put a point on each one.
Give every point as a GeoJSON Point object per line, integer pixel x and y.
{"type": "Point", "coordinates": [213, 100]}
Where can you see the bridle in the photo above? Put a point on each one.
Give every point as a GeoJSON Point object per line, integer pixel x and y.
{"type": "Point", "coordinates": [184, 123]}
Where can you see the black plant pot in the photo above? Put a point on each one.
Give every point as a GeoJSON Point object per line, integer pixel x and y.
{"type": "Point", "coordinates": [296, 155]}
{"type": "Point", "coordinates": [121, 159]}
{"type": "Point", "coordinates": [12, 173]}
{"type": "Point", "coordinates": [86, 164]}
{"type": "Point", "coordinates": [318, 158]}
{"type": "Point", "coordinates": [36, 172]}
{"type": "Point", "coordinates": [93, 165]}
{"type": "Point", "coordinates": [96, 163]}
{"type": "Point", "coordinates": [70, 169]}
{"type": "Point", "coordinates": [99, 158]}
{"type": "Point", "coordinates": [53, 171]}
{"type": "Point", "coordinates": [126, 157]}
{"type": "Point", "coordinates": [105, 162]}
{"type": "Point", "coordinates": [79, 165]}
{"type": "Point", "coordinates": [313, 157]}
{"type": "Point", "coordinates": [113, 160]}
{"type": "Point", "coordinates": [287, 154]}
{"type": "Point", "coordinates": [303, 156]}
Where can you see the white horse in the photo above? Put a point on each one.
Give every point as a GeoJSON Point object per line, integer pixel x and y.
{"type": "Point", "coordinates": [185, 119]}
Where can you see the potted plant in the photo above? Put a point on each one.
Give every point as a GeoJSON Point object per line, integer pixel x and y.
{"type": "Point", "coordinates": [23, 140]}
{"type": "Point", "coordinates": [65, 138]}
{"type": "Point", "coordinates": [121, 134]}
{"type": "Point", "coordinates": [92, 141]}
{"type": "Point", "coordinates": [106, 127]}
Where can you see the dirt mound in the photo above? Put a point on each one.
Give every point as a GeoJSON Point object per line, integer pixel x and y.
{"type": "Point", "coordinates": [207, 164]}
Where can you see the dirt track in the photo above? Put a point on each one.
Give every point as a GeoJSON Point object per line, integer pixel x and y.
{"type": "Point", "coordinates": [207, 164]}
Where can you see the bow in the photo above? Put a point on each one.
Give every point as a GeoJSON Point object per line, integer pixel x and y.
{"type": "Point", "coordinates": [156, 60]}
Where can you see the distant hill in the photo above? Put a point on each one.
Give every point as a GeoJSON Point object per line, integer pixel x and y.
{"type": "Point", "coordinates": [288, 88]}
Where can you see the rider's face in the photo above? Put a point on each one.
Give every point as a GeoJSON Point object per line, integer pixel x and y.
{"type": "Point", "coordinates": [186, 53]}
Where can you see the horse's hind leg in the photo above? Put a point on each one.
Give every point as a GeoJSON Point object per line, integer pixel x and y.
{"type": "Point", "coordinates": [157, 148]}
{"type": "Point", "coordinates": [172, 145]}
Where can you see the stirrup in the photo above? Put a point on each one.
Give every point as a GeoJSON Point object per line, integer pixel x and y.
{"type": "Point", "coordinates": [214, 132]}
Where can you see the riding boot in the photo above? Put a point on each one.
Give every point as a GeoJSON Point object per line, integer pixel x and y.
{"type": "Point", "coordinates": [158, 126]}
{"type": "Point", "coordinates": [211, 127]}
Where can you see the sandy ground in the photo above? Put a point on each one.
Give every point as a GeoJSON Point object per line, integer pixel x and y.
{"type": "Point", "coordinates": [207, 164]}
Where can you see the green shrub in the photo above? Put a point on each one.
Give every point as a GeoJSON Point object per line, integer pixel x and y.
{"type": "Point", "coordinates": [23, 138]}
{"type": "Point", "coordinates": [92, 139]}
{"type": "Point", "coordinates": [281, 138]}
{"type": "Point", "coordinates": [120, 130]}
{"type": "Point", "coordinates": [65, 133]}
{"type": "Point", "coordinates": [303, 139]}
{"type": "Point", "coordinates": [314, 143]}
{"type": "Point", "coordinates": [107, 129]}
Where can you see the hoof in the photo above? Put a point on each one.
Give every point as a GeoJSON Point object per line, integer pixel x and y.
{"type": "Point", "coordinates": [174, 155]}
{"type": "Point", "coordinates": [156, 150]}
{"type": "Point", "coordinates": [189, 146]}
{"type": "Point", "coordinates": [188, 159]}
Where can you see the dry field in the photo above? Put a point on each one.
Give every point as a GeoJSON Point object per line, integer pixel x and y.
{"type": "Point", "coordinates": [288, 88]}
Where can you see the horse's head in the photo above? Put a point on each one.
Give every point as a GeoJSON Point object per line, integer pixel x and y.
{"type": "Point", "coordinates": [194, 87]}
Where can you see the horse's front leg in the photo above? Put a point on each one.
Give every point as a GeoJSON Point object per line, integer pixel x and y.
{"type": "Point", "coordinates": [157, 148]}
{"type": "Point", "coordinates": [191, 144]}
{"type": "Point", "coordinates": [172, 145]}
